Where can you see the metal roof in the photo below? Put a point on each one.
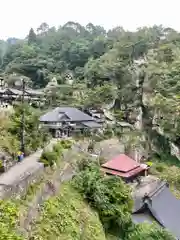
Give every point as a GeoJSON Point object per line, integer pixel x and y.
{"type": "Point", "coordinates": [73, 114]}
{"type": "Point", "coordinates": [121, 163]}
{"type": "Point", "coordinates": [129, 174]}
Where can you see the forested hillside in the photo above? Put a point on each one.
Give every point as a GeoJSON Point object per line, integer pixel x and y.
{"type": "Point", "coordinates": [135, 75]}
{"type": "Point", "coordinates": [105, 66]}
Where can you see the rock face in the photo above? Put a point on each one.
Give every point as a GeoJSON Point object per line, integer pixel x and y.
{"type": "Point", "coordinates": [139, 151]}
{"type": "Point", "coordinates": [7, 160]}
{"type": "Point", "coordinates": [107, 149]}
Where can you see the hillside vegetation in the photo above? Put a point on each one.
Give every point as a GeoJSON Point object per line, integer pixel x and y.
{"type": "Point", "coordinates": [136, 71]}
{"type": "Point", "coordinates": [128, 67]}
{"type": "Point", "coordinates": [11, 131]}
{"type": "Point", "coordinates": [68, 217]}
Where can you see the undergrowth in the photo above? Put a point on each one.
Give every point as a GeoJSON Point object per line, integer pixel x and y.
{"type": "Point", "coordinates": [68, 217]}
{"type": "Point", "coordinates": [9, 221]}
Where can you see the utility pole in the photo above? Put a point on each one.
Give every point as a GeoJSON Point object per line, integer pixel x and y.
{"type": "Point", "coordinates": [22, 117]}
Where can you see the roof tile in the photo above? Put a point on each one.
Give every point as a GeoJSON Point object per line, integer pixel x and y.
{"type": "Point", "coordinates": [121, 163]}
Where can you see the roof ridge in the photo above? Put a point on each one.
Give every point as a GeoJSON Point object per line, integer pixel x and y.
{"type": "Point", "coordinates": [158, 189]}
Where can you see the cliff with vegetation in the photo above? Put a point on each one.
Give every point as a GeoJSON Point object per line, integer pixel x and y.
{"type": "Point", "coordinates": [134, 77]}
{"type": "Point", "coordinates": [137, 71]}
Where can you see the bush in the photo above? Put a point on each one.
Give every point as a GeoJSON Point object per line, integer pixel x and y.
{"type": "Point", "coordinates": [108, 195]}
{"type": "Point", "coordinates": [160, 167]}
{"type": "Point", "coordinates": [111, 198]}
{"type": "Point", "coordinates": [150, 232]}
{"type": "Point", "coordinates": [68, 217]}
{"type": "Point", "coordinates": [108, 132]}
{"type": "Point", "coordinates": [8, 221]}
{"type": "Point", "coordinates": [49, 158]}
{"type": "Point", "coordinates": [58, 149]}
{"type": "Point", "coordinates": [66, 144]}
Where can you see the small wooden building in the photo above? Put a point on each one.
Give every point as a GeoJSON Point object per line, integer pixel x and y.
{"type": "Point", "coordinates": [124, 167]}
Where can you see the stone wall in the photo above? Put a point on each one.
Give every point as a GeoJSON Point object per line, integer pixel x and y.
{"type": "Point", "coordinates": [20, 187]}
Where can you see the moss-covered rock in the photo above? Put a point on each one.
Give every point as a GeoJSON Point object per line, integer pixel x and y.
{"type": "Point", "coordinates": [68, 217]}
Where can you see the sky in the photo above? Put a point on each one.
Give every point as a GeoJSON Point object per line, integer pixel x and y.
{"type": "Point", "coordinates": [18, 16]}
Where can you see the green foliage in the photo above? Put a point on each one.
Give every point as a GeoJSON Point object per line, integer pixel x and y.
{"type": "Point", "coordinates": [8, 221]}
{"type": "Point", "coordinates": [108, 132]}
{"type": "Point", "coordinates": [166, 172]}
{"type": "Point", "coordinates": [66, 144]}
{"type": "Point", "coordinates": [67, 217]}
{"type": "Point", "coordinates": [108, 195]}
{"type": "Point", "coordinates": [33, 140]}
{"type": "Point", "coordinates": [111, 198]}
{"type": "Point", "coordinates": [58, 148]}
{"type": "Point", "coordinates": [8, 141]}
{"type": "Point", "coordinates": [31, 36]}
{"type": "Point", "coordinates": [150, 232]}
{"type": "Point", "coordinates": [99, 96]}
{"type": "Point", "coordinates": [49, 158]}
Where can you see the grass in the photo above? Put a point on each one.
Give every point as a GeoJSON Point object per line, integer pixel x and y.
{"type": "Point", "coordinates": [68, 217]}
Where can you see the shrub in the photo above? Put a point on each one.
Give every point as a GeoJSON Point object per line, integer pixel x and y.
{"type": "Point", "coordinates": [68, 217]}
{"type": "Point", "coordinates": [149, 231]}
{"type": "Point", "coordinates": [8, 221]}
{"type": "Point", "coordinates": [108, 195]}
{"type": "Point", "coordinates": [58, 149]}
{"type": "Point", "coordinates": [111, 198]}
{"type": "Point", "coordinates": [108, 133]}
{"type": "Point", "coordinates": [49, 158]}
{"type": "Point", "coordinates": [66, 144]}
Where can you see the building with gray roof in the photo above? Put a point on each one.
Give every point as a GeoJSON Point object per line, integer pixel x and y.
{"type": "Point", "coordinates": [65, 120]}
{"type": "Point", "coordinates": [160, 206]}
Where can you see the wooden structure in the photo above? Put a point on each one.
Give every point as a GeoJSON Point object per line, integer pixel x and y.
{"type": "Point", "coordinates": [11, 95]}
{"type": "Point", "coordinates": [66, 121]}
{"type": "Point", "coordinates": [124, 167]}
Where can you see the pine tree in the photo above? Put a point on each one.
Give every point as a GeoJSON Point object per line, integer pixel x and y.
{"type": "Point", "coordinates": [31, 36]}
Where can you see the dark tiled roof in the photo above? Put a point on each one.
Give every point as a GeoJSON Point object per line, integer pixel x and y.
{"type": "Point", "coordinates": [163, 207]}
{"type": "Point", "coordinates": [91, 124]}
{"type": "Point", "coordinates": [73, 114]}
{"type": "Point", "coordinates": [142, 217]}
{"type": "Point", "coordinates": [34, 92]}
{"type": "Point", "coordinates": [167, 210]}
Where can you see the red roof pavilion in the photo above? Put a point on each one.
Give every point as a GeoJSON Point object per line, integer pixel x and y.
{"type": "Point", "coordinates": [123, 166]}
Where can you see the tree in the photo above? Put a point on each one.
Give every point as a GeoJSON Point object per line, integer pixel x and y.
{"type": "Point", "coordinates": [99, 97]}
{"type": "Point", "coordinates": [31, 36]}
{"type": "Point", "coordinates": [33, 140]}
{"type": "Point", "coordinates": [43, 28]}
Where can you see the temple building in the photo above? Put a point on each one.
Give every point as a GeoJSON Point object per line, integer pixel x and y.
{"type": "Point", "coordinates": [125, 167]}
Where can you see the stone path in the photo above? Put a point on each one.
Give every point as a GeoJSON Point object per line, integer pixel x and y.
{"type": "Point", "coordinates": [16, 173]}
{"type": "Point", "coordinates": [23, 169]}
